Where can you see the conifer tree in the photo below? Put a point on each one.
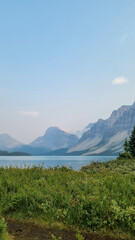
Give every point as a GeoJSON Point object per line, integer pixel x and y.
{"type": "Point", "coordinates": [126, 146]}
{"type": "Point", "coordinates": [132, 143]}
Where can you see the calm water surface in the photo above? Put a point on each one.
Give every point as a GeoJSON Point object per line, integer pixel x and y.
{"type": "Point", "coordinates": [75, 162]}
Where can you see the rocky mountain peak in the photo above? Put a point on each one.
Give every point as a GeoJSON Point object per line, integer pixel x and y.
{"type": "Point", "coordinates": [107, 136]}
{"type": "Point", "coordinates": [55, 138]}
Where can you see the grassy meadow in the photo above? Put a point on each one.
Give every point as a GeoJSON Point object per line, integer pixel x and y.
{"type": "Point", "coordinates": [98, 198]}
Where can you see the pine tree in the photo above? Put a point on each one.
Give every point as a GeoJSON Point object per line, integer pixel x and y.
{"type": "Point", "coordinates": [126, 146]}
{"type": "Point", "coordinates": [132, 143]}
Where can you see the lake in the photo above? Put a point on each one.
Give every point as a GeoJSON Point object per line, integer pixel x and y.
{"type": "Point", "coordinates": [75, 162]}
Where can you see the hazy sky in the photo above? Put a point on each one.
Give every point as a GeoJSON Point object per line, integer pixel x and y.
{"type": "Point", "coordinates": [64, 63]}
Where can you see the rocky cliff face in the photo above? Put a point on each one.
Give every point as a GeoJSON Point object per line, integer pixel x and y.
{"type": "Point", "coordinates": [107, 136]}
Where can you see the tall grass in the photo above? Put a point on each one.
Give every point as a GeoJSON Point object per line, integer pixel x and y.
{"type": "Point", "coordinates": [100, 196]}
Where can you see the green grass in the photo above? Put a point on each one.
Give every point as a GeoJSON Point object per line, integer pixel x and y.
{"type": "Point", "coordinates": [100, 197]}
{"type": "Point", "coordinates": [3, 228]}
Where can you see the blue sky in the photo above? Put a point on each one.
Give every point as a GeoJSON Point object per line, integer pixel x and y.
{"type": "Point", "coordinates": [64, 63]}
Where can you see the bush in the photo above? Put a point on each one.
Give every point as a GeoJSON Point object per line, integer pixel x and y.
{"type": "Point", "coordinates": [125, 155]}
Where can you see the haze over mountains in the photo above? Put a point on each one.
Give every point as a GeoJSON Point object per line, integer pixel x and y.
{"type": "Point", "coordinates": [105, 137]}
{"type": "Point", "coordinates": [7, 142]}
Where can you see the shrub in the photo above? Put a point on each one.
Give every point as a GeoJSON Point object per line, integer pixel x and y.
{"type": "Point", "coordinates": [125, 155]}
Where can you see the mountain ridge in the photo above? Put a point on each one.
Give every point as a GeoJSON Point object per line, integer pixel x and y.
{"type": "Point", "coordinates": [103, 137]}
{"type": "Point", "coordinates": [109, 134]}
{"type": "Point", "coordinates": [54, 139]}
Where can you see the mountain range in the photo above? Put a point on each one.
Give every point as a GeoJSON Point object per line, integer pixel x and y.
{"type": "Point", "coordinates": [105, 137]}
{"type": "Point", "coordinates": [54, 139]}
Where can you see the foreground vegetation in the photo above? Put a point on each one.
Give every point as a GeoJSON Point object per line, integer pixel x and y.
{"type": "Point", "coordinates": [100, 197]}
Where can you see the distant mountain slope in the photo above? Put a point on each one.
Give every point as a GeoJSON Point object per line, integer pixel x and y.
{"type": "Point", "coordinates": [107, 136]}
{"type": "Point", "coordinates": [55, 138]}
{"type": "Point", "coordinates": [80, 133]}
{"type": "Point", "coordinates": [7, 142]}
